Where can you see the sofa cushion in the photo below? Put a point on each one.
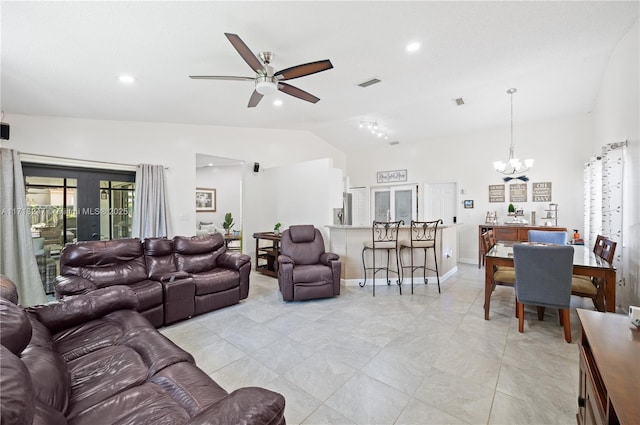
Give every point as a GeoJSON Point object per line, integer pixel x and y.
{"type": "Point", "coordinates": [47, 415]}
{"type": "Point", "coordinates": [158, 253]}
{"type": "Point", "coordinates": [216, 280]}
{"type": "Point", "coordinates": [312, 273]}
{"type": "Point", "coordinates": [121, 273]}
{"type": "Point", "coordinates": [8, 289]}
{"type": "Point", "coordinates": [15, 329]}
{"type": "Point", "coordinates": [100, 253]}
{"type": "Point", "coordinates": [189, 386]}
{"type": "Point", "coordinates": [149, 294]}
{"type": "Point", "coordinates": [198, 254]}
{"type": "Point", "coordinates": [102, 374]}
{"type": "Point", "coordinates": [50, 376]}
{"type": "Point", "coordinates": [144, 404]}
{"type": "Point", "coordinates": [72, 343]}
{"type": "Point", "coordinates": [17, 401]}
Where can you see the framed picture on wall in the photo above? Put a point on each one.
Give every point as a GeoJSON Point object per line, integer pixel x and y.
{"type": "Point", "coordinates": [468, 203]}
{"type": "Point", "coordinates": [205, 200]}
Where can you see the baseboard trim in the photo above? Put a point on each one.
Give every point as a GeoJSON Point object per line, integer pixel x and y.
{"type": "Point", "coordinates": [407, 280]}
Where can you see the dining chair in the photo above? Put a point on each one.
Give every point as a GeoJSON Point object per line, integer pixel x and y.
{"type": "Point", "coordinates": [502, 275]}
{"type": "Point", "coordinates": [384, 237]}
{"type": "Point", "coordinates": [543, 279]}
{"type": "Point", "coordinates": [591, 287]}
{"type": "Point", "coordinates": [423, 236]}
{"type": "Point", "coordinates": [547, 236]}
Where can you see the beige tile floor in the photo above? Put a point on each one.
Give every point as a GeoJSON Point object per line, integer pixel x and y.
{"type": "Point", "coordinates": [425, 358]}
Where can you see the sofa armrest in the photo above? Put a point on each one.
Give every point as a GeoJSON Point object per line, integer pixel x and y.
{"type": "Point", "coordinates": [250, 405]}
{"type": "Point", "coordinates": [171, 276]}
{"type": "Point", "coordinates": [79, 309]}
{"type": "Point", "coordinates": [73, 285]}
{"type": "Point", "coordinates": [327, 257]}
{"type": "Point", "coordinates": [233, 260]}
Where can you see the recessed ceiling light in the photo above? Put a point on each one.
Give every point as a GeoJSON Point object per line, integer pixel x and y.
{"type": "Point", "coordinates": [126, 79]}
{"type": "Point", "coordinates": [277, 102]}
{"type": "Point", "coordinates": [413, 47]}
{"type": "Point", "coordinates": [209, 165]}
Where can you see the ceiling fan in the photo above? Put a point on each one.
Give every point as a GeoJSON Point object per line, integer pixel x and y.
{"type": "Point", "coordinates": [266, 80]}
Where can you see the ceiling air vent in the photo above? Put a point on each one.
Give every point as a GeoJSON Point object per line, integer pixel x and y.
{"type": "Point", "coordinates": [369, 82]}
{"type": "Point", "coordinates": [459, 101]}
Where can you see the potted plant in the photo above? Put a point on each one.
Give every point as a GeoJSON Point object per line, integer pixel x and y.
{"type": "Point", "coordinates": [228, 222]}
{"type": "Point", "coordinates": [511, 209]}
{"type": "Point", "coordinates": [276, 228]}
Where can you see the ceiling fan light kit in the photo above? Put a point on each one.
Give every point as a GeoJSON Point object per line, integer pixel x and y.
{"type": "Point", "coordinates": [266, 81]}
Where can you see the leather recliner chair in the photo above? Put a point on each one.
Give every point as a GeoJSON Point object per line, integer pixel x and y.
{"type": "Point", "coordinates": [305, 270]}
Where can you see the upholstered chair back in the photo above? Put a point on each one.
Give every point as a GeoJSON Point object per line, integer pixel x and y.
{"type": "Point", "coordinates": [303, 244]}
{"type": "Point", "coordinates": [105, 262]}
{"type": "Point", "coordinates": [198, 254]}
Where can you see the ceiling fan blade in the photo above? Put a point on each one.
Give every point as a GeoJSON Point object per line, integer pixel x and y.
{"type": "Point", "coordinates": [255, 99]}
{"type": "Point", "coordinates": [245, 52]}
{"type": "Point", "coordinates": [221, 77]}
{"type": "Point", "coordinates": [304, 69]}
{"type": "Point", "coordinates": [296, 92]}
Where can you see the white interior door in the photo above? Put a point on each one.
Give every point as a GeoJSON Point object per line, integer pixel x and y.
{"type": "Point", "coordinates": [441, 201]}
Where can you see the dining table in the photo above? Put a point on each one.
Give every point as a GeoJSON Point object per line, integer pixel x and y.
{"type": "Point", "coordinates": [585, 263]}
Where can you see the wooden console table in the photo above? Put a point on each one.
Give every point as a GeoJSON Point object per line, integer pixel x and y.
{"type": "Point", "coordinates": [609, 391]}
{"type": "Point", "coordinates": [267, 255]}
{"type": "Point", "coordinates": [509, 232]}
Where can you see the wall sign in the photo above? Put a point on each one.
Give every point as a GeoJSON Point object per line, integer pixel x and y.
{"type": "Point", "coordinates": [392, 176]}
{"type": "Point", "coordinates": [541, 192]}
{"type": "Point", "coordinates": [496, 193]}
{"type": "Point", "coordinates": [518, 192]}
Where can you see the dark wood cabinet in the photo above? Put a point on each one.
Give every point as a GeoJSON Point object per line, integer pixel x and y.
{"type": "Point", "coordinates": [509, 232]}
{"type": "Point", "coordinates": [267, 251]}
{"type": "Point", "coordinates": [609, 387]}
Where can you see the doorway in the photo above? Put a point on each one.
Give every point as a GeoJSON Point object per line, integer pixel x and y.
{"type": "Point", "coordinates": [441, 201]}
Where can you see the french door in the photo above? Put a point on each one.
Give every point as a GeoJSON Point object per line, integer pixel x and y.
{"type": "Point", "coordinates": [78, 204]}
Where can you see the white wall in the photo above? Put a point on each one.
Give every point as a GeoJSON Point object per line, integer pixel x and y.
{"type": "Point", "coordinates": [172, 145]}
{"type": "Point", "coordinates": [227, 181]}
{"type": "Point", "coordinates": [559, 147]}
{"type": "Point", "coordinates": [617, 118]}
{"type": "Point", "coordinates": [301, 193]}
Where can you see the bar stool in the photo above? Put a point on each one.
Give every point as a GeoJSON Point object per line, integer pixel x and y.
{"type": "Point", "coordinates": [423, 236]}
{"type": "Point", "coordinates": [384, 236]}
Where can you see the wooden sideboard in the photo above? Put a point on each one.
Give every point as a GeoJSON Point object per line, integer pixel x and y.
{"type": "Point", "coordinates": [609, 388]}
{"type": "Point", "coordinates": [509, 232]}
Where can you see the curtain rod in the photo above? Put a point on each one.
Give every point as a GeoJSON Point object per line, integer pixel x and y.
{"type": "Point", "coordinates": [38, 158]}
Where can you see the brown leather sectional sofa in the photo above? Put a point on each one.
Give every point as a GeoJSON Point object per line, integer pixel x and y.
{"type": "Point", "coordinates": [173, 278]}
{"type": "Point", "coordinates": [92, 359]}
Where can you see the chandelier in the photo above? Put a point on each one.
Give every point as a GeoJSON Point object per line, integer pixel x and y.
{"type": "Point", "coordinates": [513, 168]}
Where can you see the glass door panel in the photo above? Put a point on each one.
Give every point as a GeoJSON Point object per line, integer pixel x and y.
{"type": "Point", "coordinates": [382, 205]}
{"type": "Point", "coordinates": [403, 205]}
{"type": "Point", "coordinates": [116, 207]}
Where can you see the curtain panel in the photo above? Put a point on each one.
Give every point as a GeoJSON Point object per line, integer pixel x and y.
{"type": "Point", "coordinates": [17, 257]}
{"type": "Point", "coordinates": [150, 211]}
{"type": "Point", "coordinates": [603, 196]}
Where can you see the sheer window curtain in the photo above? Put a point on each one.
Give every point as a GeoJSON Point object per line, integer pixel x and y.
{"type": "Point", "coordinates": [604, 193]}
{"type": "Point", "coordinates": [17, 258]}
{"type": "Point", "coordinates": [150, 211]}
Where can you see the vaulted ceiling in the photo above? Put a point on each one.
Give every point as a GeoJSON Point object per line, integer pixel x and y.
{"type": "Point", "coordinates": [64, 59]}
